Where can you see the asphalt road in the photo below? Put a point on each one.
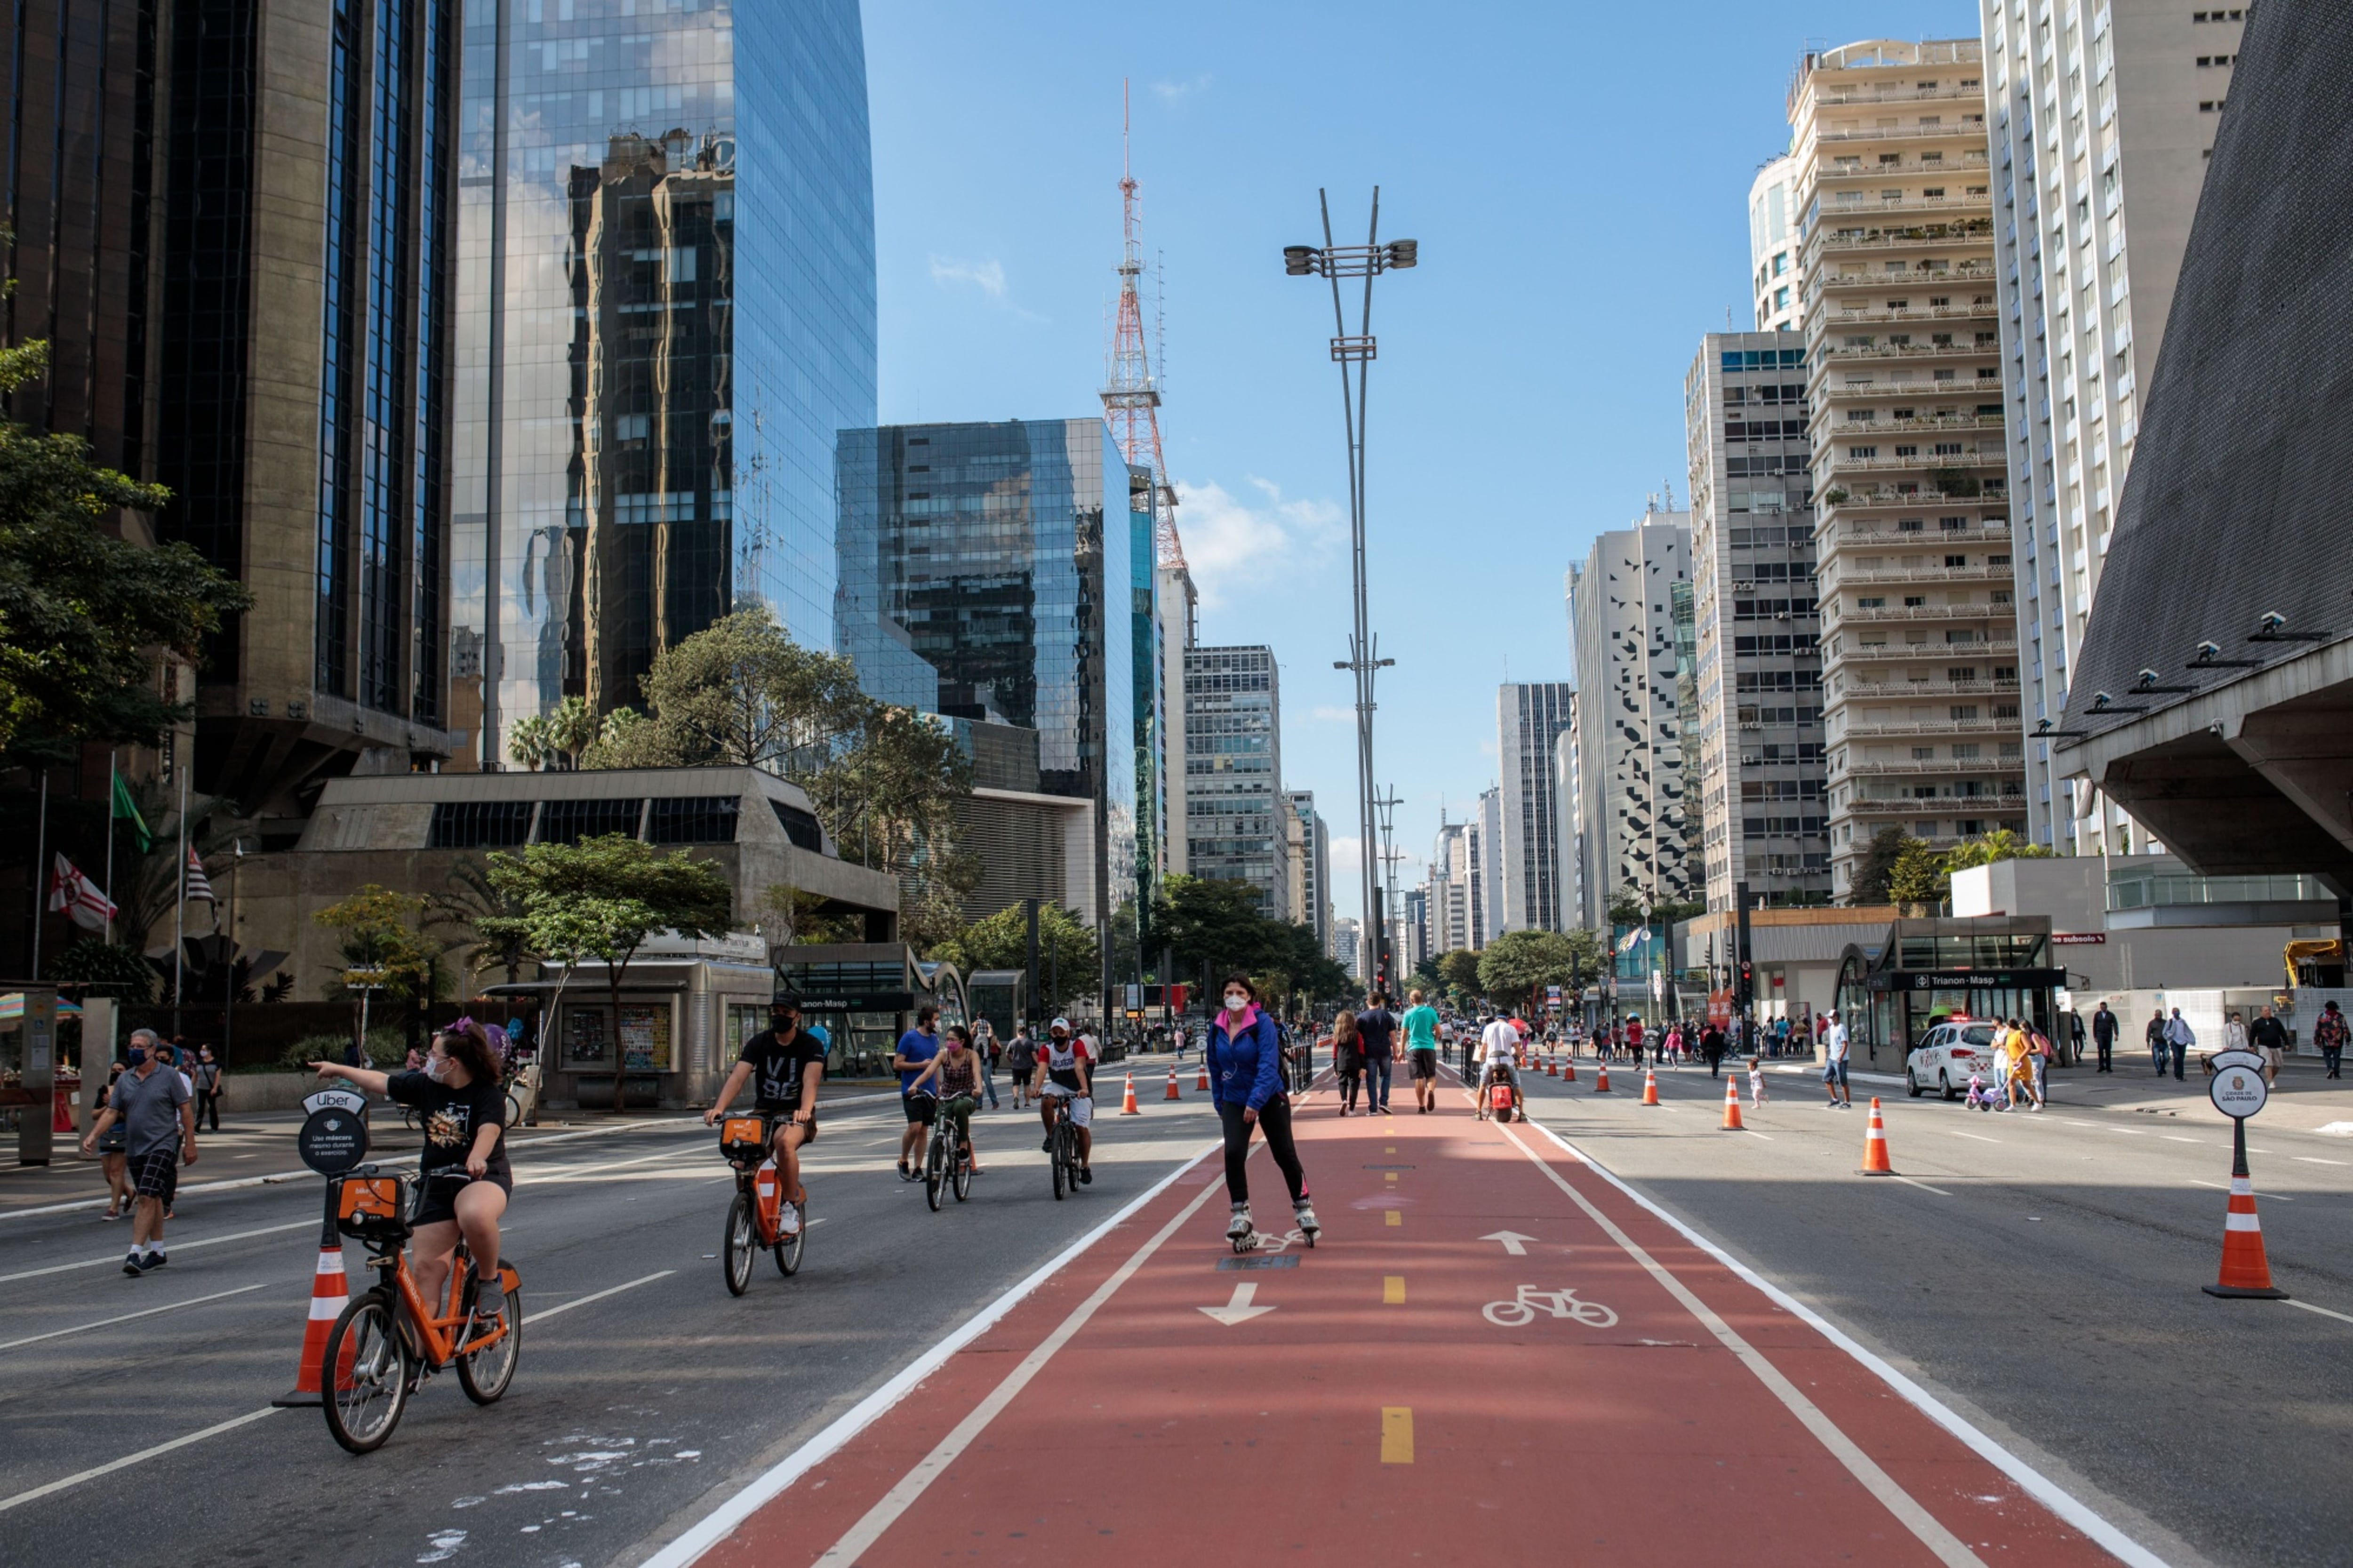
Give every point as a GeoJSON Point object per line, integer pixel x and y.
{"type": "Point", "coordinates": [645, 1389]}
{"type": "Point", "coordinates": [2040, 1274]}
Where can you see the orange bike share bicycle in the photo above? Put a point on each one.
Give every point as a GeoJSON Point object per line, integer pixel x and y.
{"type": "Point", "coordinates": [389, 1339]}
{"type": "Point", "coordinates": [752, 1218]}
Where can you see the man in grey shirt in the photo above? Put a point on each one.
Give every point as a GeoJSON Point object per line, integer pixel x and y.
{"type": "Point", "coordinates": [159, 1121]}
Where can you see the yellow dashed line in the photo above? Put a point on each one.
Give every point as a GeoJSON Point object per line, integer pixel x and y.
{"type": "Point", "coordinates": [1392, 1289]}
{"type": "Point", "coordinates": [1395, 1217]}
{"type": "Point", "coordinates": [1396, 1434]}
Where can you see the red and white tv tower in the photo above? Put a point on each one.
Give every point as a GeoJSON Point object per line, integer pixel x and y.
{"type": "Point", "coordinates": [1131, 397]}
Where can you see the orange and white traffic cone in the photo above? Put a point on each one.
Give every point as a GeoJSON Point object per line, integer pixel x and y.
{"type": "Point", "coordinates": [1650, 1086]}
{"type": "Point", "coordinates": [1172, 1093]}
{"type": "Point", "coordinates": [1732, 1122]}
{"type": "Point", "coordinates": [1568, 1068]}
{"type": "Point", "coordinates": [2245, 1270]}
{"type": "Point", "coordinates": [1601, 1078]}
{"type": "Point", "coordinates": [327, 1298]}
{"type": "Point", "coordinates": [1127, 1102]}
{"type": "Point", "coordinates": [1552, 1066]}
{"type": "Point", "coordinates": [1204, 1085]}
{"type": "Point", "coordinates": [1874, 1145]}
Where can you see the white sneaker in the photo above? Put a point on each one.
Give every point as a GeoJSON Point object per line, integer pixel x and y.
{"type": "Point", "coordinates": [1305, 1216]}
{"type": "Point", "coordinates": [1240, 1225]}
{"type": "Point", "coordinates": [788, 1220]}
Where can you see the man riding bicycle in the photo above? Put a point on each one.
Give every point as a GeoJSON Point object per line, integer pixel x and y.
{"type": "Point", "coordinates": [1066, 1077]}
{"type": "Point", "coordinates": [1499, 1043]}
{"type": "Point", "coordinates": [786, 1062]}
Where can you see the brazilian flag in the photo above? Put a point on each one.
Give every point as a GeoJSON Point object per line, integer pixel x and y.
{"type": "Point", "coordinates": [126, 809]}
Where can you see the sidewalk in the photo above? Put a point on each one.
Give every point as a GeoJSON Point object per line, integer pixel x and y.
{"type": "Point", "coordinates": [1494, 1353]}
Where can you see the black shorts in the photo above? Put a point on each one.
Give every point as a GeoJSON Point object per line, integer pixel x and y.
{"type": "Point", "coordinates": [1425, 1062]}
{"type": "Point", "coordinates": [780, 1115]}
{"type": "Point", "coordinates": [922, 1110]}
{"type": "Point", "coordinates": [151, 1173]}
{"type": "Point", "coordinates": [438, 1201]}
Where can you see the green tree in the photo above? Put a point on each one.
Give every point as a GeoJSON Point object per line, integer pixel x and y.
{"type": "Point", "coordinates": [1887, 846]}
{"type": "Point", "coordinates": [468, 898]}
{"type": "Point", "coordinates": [1460, 970]}
{"type": "Point", "coordinates": [600, 899]}
{"type": "Point", "coordinates": [1002, 942]}
{"type": "Point", "coordinates": [1919, 875]}
{"type": "Point", "coordinates": [1986, 848]}
{"type": "Point", "coordinates": [1216, 923]}
{"type": "Point", "coordinates": [1519, 964]}
{"type": "Point", "coordinates": [82, 611]}
{"type": "Point", "coordinates": [107, 970]}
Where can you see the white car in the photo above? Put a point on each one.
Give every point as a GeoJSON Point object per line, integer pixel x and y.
{"type": "Point", "coordinates": [1945, 1060]}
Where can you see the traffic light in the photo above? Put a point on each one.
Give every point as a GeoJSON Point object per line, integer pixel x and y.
{"type": "Point", "coordinates": [1748, 992]}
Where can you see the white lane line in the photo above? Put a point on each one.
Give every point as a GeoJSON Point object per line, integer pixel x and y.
{"type": "Point", "coordinates": [716, 1526]}
{"type": "Point", "coordinates": [2177, 1138]}
{"type": "Point", "coordinates": [1923, 1186]}
{"type": "Point", "coordinates": [2028, 1479]}
{"type": "Point", "coordinates": [2317, 1160]}
{"type": "Point", "coordinates": [1956, 1132]}
{"type": "Point", "coordinates": [2307, 1306]}
{"type": "Point", "coordinates": [2221, 1188]}
{"type": "Point", "coordinates": [310, 1224]}
{"type": "Point", "coordinates": [140, 1458]}
{"type": "Point", "coordinates": [542, 1315]}
{"type": "Point", "coordinates": [126, 1317]}
{"type": "Point", "coordinates": [1925, 1527]}
{"type": "Point", "coordinates": [1754, 1133]}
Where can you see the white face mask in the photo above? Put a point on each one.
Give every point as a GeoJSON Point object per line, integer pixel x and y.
{"type": "Point", "coordinates": [438, 1069]}
{"type": "Point", "coordinates": [1236, 1001]}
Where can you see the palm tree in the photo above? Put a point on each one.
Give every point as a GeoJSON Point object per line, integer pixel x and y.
{"type": "Point", "coordinates": [470, 897]}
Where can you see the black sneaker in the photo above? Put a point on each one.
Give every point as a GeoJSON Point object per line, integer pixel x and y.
{"type": "Point", "coordinates": [156, 1259]}
{"type": "Point", "coordinates": [1048, 1146]}
{"type": "Point", "coordinates": [1086, 1177]}
{"type": "Point", "coordinates": [134, 1265]}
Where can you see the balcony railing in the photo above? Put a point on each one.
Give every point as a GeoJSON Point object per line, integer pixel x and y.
{"type": "Point", "coordinates": [1825, 240]}
{"type": "Point", "coordinates": [1969, 127]}
{"type": "Point", "coordinates": [1919, 314]}
{"type": "Point", "coordinates": [1875, 730]}
{"type": "Point", "coordinates": [1921, 612]}
{"type": "Point", "coordinates": [1918, 653]}
{"type": "Point", "coordinates": [1969, 163]}
{"type": "Point", "coordinates": [1897, 500]}
{"type": "Point", "coordinates": [1897, 692]}
{"type": "Point", "coordinates": [1832, 464]}
{"type": "Point", "coordinates": [1835, 98]}
{"type": "Point", "coordinates": [1851, 352]}
{"type": "Point", "coordinates": [1874, 576]}
{"type": "Point", "coordinates": [1869, 211]}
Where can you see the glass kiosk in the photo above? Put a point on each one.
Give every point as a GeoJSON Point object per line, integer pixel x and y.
{"type": "Point", "coordinates": [1928, 971]}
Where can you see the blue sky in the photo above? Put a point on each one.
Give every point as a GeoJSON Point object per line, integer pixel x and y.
{"type": "Point", "coordinates": [1577, 177]}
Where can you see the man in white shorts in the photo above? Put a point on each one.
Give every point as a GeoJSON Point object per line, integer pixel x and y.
{"type": "Point", "coordinates": [1066, 1078]}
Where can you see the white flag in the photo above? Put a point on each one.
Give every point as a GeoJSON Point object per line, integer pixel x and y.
{"type": "Point", "coordinates": [79, 897]}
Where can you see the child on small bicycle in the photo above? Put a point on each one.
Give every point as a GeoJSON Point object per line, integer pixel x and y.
{"type": "Point", "coordinates": [462, 1176]}
{"type": "Point", "coordinates": [955, 1077]}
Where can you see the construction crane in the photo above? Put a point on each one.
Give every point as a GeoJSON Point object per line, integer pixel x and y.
{"type": "Point", "coordinates": [1131, 397]}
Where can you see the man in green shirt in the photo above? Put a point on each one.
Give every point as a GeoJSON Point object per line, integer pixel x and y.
{"type": "Point", "coordinates": [1420, 1023]}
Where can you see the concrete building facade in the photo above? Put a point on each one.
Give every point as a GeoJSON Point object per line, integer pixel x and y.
{"type": "Point", "coordinates": [2102, 132]}
{"type": "Point", "coordinates": [1631, 801]}
{"type": "Point", "coordinates": [1780, 303]}
{"type": "Point", "coordinates": [1310, 867]}
{"type": "Point", "coordinates": [1911, 468]}
{"type": "Point", "coordinates": [1235, 810]}
{"type": "Point", "coordinates": [1755, 747]}
{"type": "Point", "coordinates": [1530, 719]}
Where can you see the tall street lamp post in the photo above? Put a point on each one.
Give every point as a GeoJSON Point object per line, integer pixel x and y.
{"type": "Point", "coordinates": [1337, 262]}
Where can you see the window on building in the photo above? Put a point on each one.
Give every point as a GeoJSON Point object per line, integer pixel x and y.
{"type": "Point", "coordinates": [481, 824]}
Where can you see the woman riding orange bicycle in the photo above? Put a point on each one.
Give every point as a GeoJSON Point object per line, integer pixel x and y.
{"type": "Point", "coordinates": [462, 1104]}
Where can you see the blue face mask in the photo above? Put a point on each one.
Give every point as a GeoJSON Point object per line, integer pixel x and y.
{"type": "Point", "coordinates": [138, 1055]}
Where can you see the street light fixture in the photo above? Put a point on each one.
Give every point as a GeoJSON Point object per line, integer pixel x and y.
{"type": "Point", "coordinates": [1335, 262]}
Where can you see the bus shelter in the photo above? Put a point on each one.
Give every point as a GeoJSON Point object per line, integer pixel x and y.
{"type": "Point", "coordinates": [1928, 971]}
{"type": "Point", "coordinates": [864, 995]}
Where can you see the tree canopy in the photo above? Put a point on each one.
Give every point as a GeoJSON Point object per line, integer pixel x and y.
{"type": "Point", "coordinates": [1216, 924]}
{"type": "Point", "coordinates": [1069, 961]}
{"type": "Point", "coordinates": [1901, 870]}
{"type": "Point", "coordinates": [1516, 966]}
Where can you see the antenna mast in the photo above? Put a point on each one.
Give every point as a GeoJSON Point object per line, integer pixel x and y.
{"type": "Point", "coordinates": [1132, 398]}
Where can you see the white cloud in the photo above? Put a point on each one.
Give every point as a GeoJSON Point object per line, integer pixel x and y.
{"type": "Point", "coordinates": [1178, 92]}
{"type": "Point", "coordinates": [1229, 544]}
{"type": "Point", "coordinates": [1335, 715]}
{"type": "Point", "coordinates": [989, 277]}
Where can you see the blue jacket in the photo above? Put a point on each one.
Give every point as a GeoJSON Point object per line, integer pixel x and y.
{"type": "Point", "coordinates": [1248, 1070]}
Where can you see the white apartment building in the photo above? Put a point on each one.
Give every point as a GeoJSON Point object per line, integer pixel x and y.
{"type": "Point", "coordinates": [1569, 801]}
{"type": "Point", "coordinates": [2102, 118]}
{"type": "Point", "coordinates": [1753, 747]}
{"type": "Point", "coordinates": [1450, 887]}
{"type": "Point", "coordinates": [1487, 846]}
{"type": "Point", "coordinates": [1530, 716]}
{"type": "Point", "coordinates": [1175, 605]}
{"type": "Point", "coordinates": [1773, 249]}
{"type": "Point", "coordinates": [1630, 802]}
{"type": "Point", "coordinates": [1311, 868]}
{"type": "Point", "coordinates": [1911, 468]}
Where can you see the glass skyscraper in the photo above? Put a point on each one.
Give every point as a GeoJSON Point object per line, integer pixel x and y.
{"type": "Point", "coordinates": [667, 311]}
{"type": "Point", "coordinates": [987, 571]}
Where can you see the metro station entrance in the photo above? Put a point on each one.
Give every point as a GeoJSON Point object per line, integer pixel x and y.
{"type": "Point", "coordinates": [1931, 970]}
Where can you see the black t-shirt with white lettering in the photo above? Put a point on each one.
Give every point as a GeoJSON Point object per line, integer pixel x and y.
{"type": "Point", "coordinates": [776, 1066]}
{"type": "Point", "coordinates": [452, 1116]}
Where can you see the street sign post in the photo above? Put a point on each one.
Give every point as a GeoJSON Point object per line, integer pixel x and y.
{"type": "Point", "coordinates": [2238, 1091]}
{"type": "Point", "coordinates": [334, 1136]}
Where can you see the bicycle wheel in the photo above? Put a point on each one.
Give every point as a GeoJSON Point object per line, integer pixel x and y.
{"type": "Point", "coordinates": [1057, 1157]}
{"type": "Point", "coordinates": [485, 1373]}
{"type": "Point", "coordinates": [934, 1169]}
{"type": "Point", "coordinates": [962, 1177]}
{"type": "Point", "coordinates": [514, 1108]}
{"type": "Point", "coordinates": [736, 1250]}
{"type": "Point", "coordinates": [788, 1248]}
{"type": "Point", "coordinates": [367, 1371]}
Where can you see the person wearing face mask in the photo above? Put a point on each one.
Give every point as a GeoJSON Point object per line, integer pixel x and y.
{"type": "Point", "coordinates": [1066, 1086]}
{"type": "Point", "coordinates": [157, 1111]}
{"type": "Point", "coordinates": [463, 1108]}
{"type": "Point", "coordinates": [1245, 1058]}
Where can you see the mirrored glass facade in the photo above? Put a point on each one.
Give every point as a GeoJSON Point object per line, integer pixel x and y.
{"type": "Point", "coordinates": [982, 575]}
{"type": "Point", "coordinates": [667, 311]}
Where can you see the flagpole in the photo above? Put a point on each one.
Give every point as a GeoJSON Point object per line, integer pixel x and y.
{"type": "Point", "coordinates": [112, 784]}
{"type": "Point", "coordinates": [180, 898]}
{"type": "Point", "coordinates": [40, 869]}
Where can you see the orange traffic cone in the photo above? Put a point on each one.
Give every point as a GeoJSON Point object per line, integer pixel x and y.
{"type": "Point", "coordinates": [2245, 1270]}
{"type": "Point", "coordinates": [1204, 1085]}
{"type": "Point", "coordinates": [1568, 1068]}
{"type": "Point", "coordinates": [1732, 1106]}
{"type": "Point", "coordinates": [1649, 1087]}
{"type": "Point", "coordinates": [1552, 1066]}
{"type": "Point", "coordinates": [1874, 1145]}
{"type": "Point", "coordinates": [1172, 1093]}
{"type": "Point", "coordinates": [1601, 1078]}
{"type": "Point", "coordinates": [327, 1298]}
{"type": "Point", "coordinates": [1127, 1102]}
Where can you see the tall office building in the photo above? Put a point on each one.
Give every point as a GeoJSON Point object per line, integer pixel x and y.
{"type": "Point", "coordinates": [1569, 804]}
{"type": "Point", "coordinates": [1529, 717]}
{"type": "Point", "coordinates": [984, 573]}
{"type": "Point", "coordinates": [1449, 888]}
{"type": "Point", "coordinates": [2103, 120]}
{"type": "Point", "coordinates": [1754, 752]}
{"type": "Point", "coordinates": [1234, 804]}
{"type": "Point", "coordinates": [1346, 949]}
{"type": "Point", "coordinates": [1416, 950]}
{"type": "Point", "coordinates": [1631, 802]}
{"type": "Point", "coordinates": [1486, 849]}
{"type": "Point", "coordinates": [1311, 868]}
{"type": "Point", "coordinates": [1773, 249]}
{"type": "Point", "coordinates": [667, 311]}
{"type": "Point", "coordinates": [1905, 390]}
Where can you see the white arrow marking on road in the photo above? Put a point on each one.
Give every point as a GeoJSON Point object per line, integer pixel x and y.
{"type": "Point", "coordinates": [1515, 1243]}
{"type": "Point", "coordinates": [1238, 1310]}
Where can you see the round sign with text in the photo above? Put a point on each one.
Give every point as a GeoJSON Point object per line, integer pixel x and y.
{"type": "Point", "coordinates": [332, 1141]}
{"type": "Point", "coordinates": [2238, 1091]}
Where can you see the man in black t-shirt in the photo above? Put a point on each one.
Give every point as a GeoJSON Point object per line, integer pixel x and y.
{"type": "Point", "coordinates": [1377, 1025]}
{"type": "Point", "coordinates": [785, 1064]}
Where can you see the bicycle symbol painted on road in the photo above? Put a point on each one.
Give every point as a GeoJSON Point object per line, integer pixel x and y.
{"type": "Point", "coordinates": [1522, 1310]}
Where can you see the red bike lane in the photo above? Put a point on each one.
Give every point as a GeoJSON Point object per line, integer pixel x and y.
{"type": "Point", "coordinates": [1471, 1362]}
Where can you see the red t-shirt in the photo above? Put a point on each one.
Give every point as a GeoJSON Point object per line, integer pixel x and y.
{"type": "Point", "coordinates": [1634, 1033]}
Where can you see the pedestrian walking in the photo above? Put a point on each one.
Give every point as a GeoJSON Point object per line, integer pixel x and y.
{"type": "Point", "coordinates": [2104, 1034]}
{"type": "Point", "coordinates": [2269, 1035]}
{"type": "Point", "coordinates": [1377, 1025]}
{"type": "Point", "coordinates": [1834, 1080]}
{"type": "Point", "coordinates": [2330, 1032]}
{"type": "Point", "coordinates": [1756, 1080]}
{"type": "Point", "coordinates": [2158, 1047]}
{"type": "Point", "coordinates": [1712, 1045]}
{"type": "Point", "coordinates": [1021, 1064]}
{"type": "Point", "coordinates": [2038, 1050]}
{"type": "Point", "coordinates": [110, 1156]}
{"type": "Point", "coordinates": [2234, 1032]}
{"type": "Point", "coordinates": [209, 1087]}
{"type": "Point", "coordinates": [989, 1048]}
{"type": "Point", "coordinates": [2179, 1038]}
{"type": "Point", "coordinates": [1245, 1060]}
{"type": "Point", "coordinates": [1347, 1059]}
{"type": "Point", "coordinates": [158, 1117]}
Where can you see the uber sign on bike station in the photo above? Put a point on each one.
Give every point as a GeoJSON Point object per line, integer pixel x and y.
{"type": "Point", "coordinates": [334, 1138]}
